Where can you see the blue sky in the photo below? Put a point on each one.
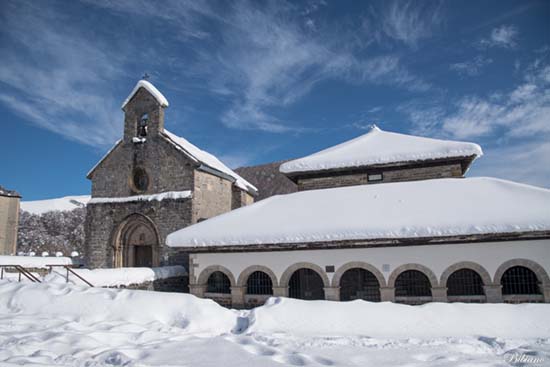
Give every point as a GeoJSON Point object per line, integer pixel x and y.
{"type": "Point", "coordinates": [255, 82]}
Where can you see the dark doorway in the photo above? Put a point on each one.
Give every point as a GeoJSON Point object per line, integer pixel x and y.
{"type": "Point", "coordinates": [306, 284]}
{"type": "Point", "coordinates": [359, 283]}
{"type": "Point", "coordinates": [143, 256]}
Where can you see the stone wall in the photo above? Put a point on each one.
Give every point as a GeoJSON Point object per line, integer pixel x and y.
{"type": "Point", "coordinates": [240, 198]}
{"type": "Point", "coordinates": [103, 221]}
{"type": "Point", "coordinates": [174, 284]}
{"type": "Point", "coordinates": [9, 220]}
{"type": "Point", "coordinates": [167, 169]}
{"type": "Point", "coordinates": [211, 196]}
{"type": "Point", "coordinates": [338, 179]}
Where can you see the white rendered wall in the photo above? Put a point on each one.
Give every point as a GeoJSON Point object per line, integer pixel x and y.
{"type": "Point", "coordinates": [437, 258]}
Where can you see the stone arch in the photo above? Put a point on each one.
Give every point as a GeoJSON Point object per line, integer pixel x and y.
{"type": "Point", "coordinates": [243, 277]}
{"type": "Point", "coordinates": [484, 274]}
{"type": "Point", "coordinates": [357, 264]}
{"type": "Point", "coordinates": [421, 268]}
{"type": "Point", "coordinates": [539, 271]}
{"type": "Point", "coordinates": [285, 278]}
{"type": "Point", "coordinates": [136, 231]}
{"type": "Point", "coordinates": [205, 274]}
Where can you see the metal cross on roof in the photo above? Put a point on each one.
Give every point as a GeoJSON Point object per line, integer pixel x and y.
{"type": "Point", "coordinates": [145, 76]}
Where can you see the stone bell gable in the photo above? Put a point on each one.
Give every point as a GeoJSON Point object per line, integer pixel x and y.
{"type": "Point", "coordinates": [151, 183]}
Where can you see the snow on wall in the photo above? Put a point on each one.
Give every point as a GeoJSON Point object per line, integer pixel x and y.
{"type": "Point", "coordinates": [158, 197]}
{"type": "Point", "coordinates": [378, 147]}
{"type": "Point", "coordinates": [65, 203]}
{"type": "Point", "coordinates": [209, 160]}
{"type": "Point", "coordinates": [430, 208]}
{"type": "Point", "coordinates": [34, 262]}
{"type": "Point", "coordinates": [151, 89]}
{"type": "Point", "coordinates": [118, 276]}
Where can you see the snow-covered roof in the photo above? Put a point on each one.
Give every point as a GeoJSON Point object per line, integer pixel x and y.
{"type": "Point", "coordinates": [209, 160]}
{"type": "Point", "coordinates": [381, 147]}
{"type": "Point", "coordinates": [430, 208]}
{"type": "Point", "coordinates": [151, 89]}
{"type": "Point", "coordinates": [63, 204]}
{"type": "Point", "coordinates": [154, 197]}
{"type": "Point", "coordinates": [9, 193]}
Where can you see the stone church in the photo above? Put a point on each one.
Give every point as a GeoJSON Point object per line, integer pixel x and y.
{"type": "Point", "coordinates": [150, 184]}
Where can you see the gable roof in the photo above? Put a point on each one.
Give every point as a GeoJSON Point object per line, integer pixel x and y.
{"type": "Point", "coordinates": [381, 147]}
{"type": "Point", "coordinates": [197, 155]}
{"type": "Point", "coordinates": [208, 159]}
{"type": "Point", "coordinates": [436, 208]}
{"type": "Point", "coordinates": [151, 89]}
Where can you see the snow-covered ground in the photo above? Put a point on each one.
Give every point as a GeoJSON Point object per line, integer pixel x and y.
{"type": "Point", "coordinates": [65, 203]}
{"type": "Point", "coordinates": [55, 324]}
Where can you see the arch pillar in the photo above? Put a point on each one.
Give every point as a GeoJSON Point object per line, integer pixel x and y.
{"type": "Point", "coordinates": [332, 293]}
{"type": "Point", "coordinates": [493, 293]}
{"type": "Point", "coordinates": [280, 291]}
{"type": "Point", "coordinates": [387, 294]}
{"type": "Point", "coordinates": [439, 294]}
{"type": "Point", "coordinates": [197, 290]}
{"type": "Point", "coordinates": [237, 296]}
{"type": "Point", "coordinates": [546, 293]}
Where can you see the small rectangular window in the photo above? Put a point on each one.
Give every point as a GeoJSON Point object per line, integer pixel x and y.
{"type": "Point", "coordinates": [375, 177]}
{"type": "Point", "coordinates": [329, 268]}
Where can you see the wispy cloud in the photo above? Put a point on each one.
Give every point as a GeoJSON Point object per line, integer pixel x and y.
{"type": "Point", "coordinates": [518, 117]}
{"type": "Point", "coordinates": [411, 21]}
{"type": "Point", "coordinates": [471, 67]}
{"type": "Point", "coordinates": [505, 36]}
{"type": "Point", "coordinates": [62, 86]}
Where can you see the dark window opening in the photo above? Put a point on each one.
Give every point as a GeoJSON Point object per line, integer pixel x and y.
{"type": "Point", "coordinates": [519, 280]}
{"type": "Point", "coordinates": [259, 283]}
{"type": "Point", "coordinates": [142, 125]}
{"type": "Point", "coordinates": [465, 282]}
{"type": "Point", "coordinates": [218, 282]}
{"type": "Point", "coordinates": [140, 180]}
{"type": "Point", "coordinates": [306, 284]}
{"type": "Point", "coordinates": [359, 284]}
{"type": "Point", "coordinates": [412, 283]}
{"type": "Point", "coordinates": [373, 177]}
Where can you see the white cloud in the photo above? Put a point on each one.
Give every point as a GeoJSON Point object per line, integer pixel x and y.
{"type": "Point", "coordinates": [504, 36]}
{"type": "Point", "coordinates": [472, 67]}
{"type": "Point", "coordinates": [411, 21]}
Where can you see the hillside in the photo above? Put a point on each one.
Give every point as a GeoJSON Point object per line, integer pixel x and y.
{"type": "Point", "coordinates": [268, 179]}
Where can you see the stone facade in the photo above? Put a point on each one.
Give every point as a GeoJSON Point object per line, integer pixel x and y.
{"type": "Point", "coordinates": [360, 176]}
{"type": "Point", "coordinates": [9, 221]}
{"type": "Point", "coordinates": [148, 162]}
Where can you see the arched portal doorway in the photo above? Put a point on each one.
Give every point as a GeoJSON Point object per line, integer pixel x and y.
{"type": "Point", "coordinates": [136, 243]}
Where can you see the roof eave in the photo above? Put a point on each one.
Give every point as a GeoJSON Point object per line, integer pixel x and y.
{"type": "Point", "coordinates": [465, 161]}
{"type": "Point", "coordinates": [376, 242]}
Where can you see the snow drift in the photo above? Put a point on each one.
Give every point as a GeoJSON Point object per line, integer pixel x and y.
{"type": "Point", "coordinates": [280, 315]}
{"type": "Point", "coordinates": [90, 305]}
{"type": "Point", "coordinates": [391, 320]}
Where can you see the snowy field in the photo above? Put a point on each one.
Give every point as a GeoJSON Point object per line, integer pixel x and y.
{"type": "Point", "coordinates": [70, 325]}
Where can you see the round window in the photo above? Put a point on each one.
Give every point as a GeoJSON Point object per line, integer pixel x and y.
{"type": "Point", "coordinates": [140, 180]}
